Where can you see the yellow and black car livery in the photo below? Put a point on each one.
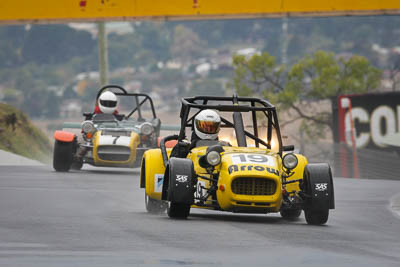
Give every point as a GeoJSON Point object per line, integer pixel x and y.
{"type": "Point", "coordinates": [111, 140]}
{"type": "Point", "coordinates": [254, 175]}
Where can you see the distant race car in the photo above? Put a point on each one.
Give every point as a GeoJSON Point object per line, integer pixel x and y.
{"type": "Point", "coordinates": [109, 140]}
{"type": "Point", "coordinates": [254, 174]}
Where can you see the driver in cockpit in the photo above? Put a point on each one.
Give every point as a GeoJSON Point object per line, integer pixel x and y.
{"type": "Point", "coordinates": [107, 104]}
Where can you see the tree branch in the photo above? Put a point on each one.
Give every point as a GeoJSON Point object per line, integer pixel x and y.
{"type": "Point", "coordinates": [283, 124]}
{"type": "Point", "coordinates": [300, 112]}
{"type": "Point", "coordinates": [271, 81]}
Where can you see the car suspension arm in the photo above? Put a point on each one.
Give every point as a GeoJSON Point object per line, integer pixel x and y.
{"type": "Point", "coordinates": [208, 179]}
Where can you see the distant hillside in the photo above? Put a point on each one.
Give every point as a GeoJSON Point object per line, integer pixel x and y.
{"type": "Point", "coordinates": [20, 136]}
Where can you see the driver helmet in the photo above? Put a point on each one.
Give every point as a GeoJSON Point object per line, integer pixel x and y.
{"type": "Point", "coordinates": [108, 102]}
{"type": "Point", "coordinates": [207, 124]}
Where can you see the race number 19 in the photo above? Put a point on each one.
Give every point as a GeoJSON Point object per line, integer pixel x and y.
{"type": "Point", "coordinates": [246, 158]}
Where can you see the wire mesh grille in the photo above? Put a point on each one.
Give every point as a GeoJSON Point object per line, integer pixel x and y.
{"type": "Point", "coordinates": [253, 186]}
{"type": "Point", "coordinates": [114, 153]}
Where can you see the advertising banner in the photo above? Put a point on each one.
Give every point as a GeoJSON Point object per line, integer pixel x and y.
{"type": "Point", "coordinates": [374, 136]}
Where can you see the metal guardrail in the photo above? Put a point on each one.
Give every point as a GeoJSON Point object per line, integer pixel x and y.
{"type": "Point", "coordinates": [77, 125]}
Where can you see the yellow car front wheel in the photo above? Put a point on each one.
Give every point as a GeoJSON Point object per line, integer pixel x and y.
{"type": "Point", "coordinates": [178, 210]}
{"type": "Point", "coordinates": [316, 217]}
{"type": "Point", "coordinates": [290, 214]}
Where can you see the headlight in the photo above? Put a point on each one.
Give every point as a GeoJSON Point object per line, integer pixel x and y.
{"type": "Point", "coordinates": [290, 161]}
{"type": "Point", "coordinates": [213, 158]}
{"type": "Point", "coordinates": [88, 127]}
{"type": "Point", "coordinates": [146, 128]}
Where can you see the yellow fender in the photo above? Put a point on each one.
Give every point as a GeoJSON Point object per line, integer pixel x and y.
{"type": "Point", "coordinates": [152, 172]}
{"type": "Point", "coordinates": [298, 173]}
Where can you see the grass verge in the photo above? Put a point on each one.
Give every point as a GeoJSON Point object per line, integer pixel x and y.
{"type": "Point", "coordinates": [18, 135]}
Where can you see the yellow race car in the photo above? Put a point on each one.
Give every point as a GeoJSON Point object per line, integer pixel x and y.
{"type": "Point", "coordinates": [111, 140]}
{"type": "Point", "coordinates": [249, 175]}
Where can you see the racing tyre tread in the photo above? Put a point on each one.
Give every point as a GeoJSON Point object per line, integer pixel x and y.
{"type": "Point", "coordinates": [316, 210]}
{"type": "Point", "coordinates": [178, 210]}
{"type": "Point", "coordinates": [154, 206]}
{"type": "Point", "coordinates": [316, 217]}
{"type": "Point", "coordinates": [62, 156]}
{"type": "Point", "coordinates": [76, 165]}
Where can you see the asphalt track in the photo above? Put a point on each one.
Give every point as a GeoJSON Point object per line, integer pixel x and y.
{"type": "Point", "coordinates": [96, 217]}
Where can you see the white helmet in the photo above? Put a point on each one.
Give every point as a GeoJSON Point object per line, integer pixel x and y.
{"type": "Point", "coordinates": [207, 124]}
{"type": "Point", "coordinates": [108, 102]}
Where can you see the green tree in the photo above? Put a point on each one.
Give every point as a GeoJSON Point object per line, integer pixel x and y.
{"type": "Point", "coordinates": [258, 75]}
{"type": "Point", "coordinates": [313, 79]}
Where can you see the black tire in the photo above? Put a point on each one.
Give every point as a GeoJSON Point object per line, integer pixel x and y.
{"type": "Point", "coordinates": [318, 202]}
{"type": "Point", "coordinates": [154, 206]}
{"type": "Point", "coordinates": [62, 156]}
{"type": "Point", "coordinates": [290, 214]}
{"type": "Point", "coordinates": [178, 210]}
{"type": "Point", "coordinates": [316, 217]}
{"type": "Point", "coordinates": [77, 165]}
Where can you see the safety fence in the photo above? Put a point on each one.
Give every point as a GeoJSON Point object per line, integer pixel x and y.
{"type": "Point", "coordinates": [368, 163]}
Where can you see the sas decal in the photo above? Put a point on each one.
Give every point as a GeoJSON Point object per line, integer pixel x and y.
{"type": "Point", "coordinates": [321, 187]}
{"type": "Point", "coordinates": [181, 178]}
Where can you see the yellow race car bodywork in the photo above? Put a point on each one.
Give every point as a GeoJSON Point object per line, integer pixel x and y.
{"type": "Point", "coordinates": [115, 151]}
{"type": "Point", "coordinates": [250, 179]}
{"type": "Point", "coordinates": [258, 174]}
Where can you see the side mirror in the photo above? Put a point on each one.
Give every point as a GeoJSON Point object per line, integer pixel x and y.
{"type": "Point", "coordinates": [288, 148]}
